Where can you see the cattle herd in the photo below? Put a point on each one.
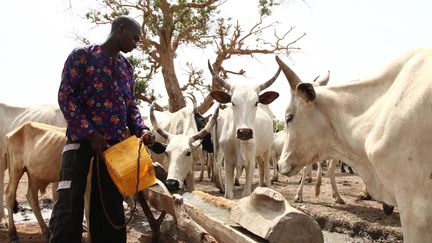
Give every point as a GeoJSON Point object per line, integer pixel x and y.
{"type": "Point", "coordinates": [380, 126]}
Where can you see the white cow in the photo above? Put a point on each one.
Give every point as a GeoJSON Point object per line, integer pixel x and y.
{"type": "Point", "coordinates": [34, 148]}
{"type": "Point", "coordinates": [183, 143]}
{"type": "Point", "coordinates": [381, 126]}
{"type": "Point", "coordinates": [276, 150]}
{"type": "Point", "coordinates": [248, 130]}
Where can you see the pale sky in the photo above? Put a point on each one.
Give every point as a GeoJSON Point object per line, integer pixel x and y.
{"type": "Point", "coordinates": [350, 38]}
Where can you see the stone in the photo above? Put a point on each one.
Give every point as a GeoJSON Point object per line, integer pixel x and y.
{"type": "Point", "coordinates": [268, 214]}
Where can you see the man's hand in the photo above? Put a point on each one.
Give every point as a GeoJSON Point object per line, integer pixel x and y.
{"type": "Point", "coordinates": [98, 143]}
{"type": "Point", "coordinates": [147, 137]}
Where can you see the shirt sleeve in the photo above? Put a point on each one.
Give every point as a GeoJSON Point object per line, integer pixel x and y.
{"type": "Point", "coordinates": [135, 122]}
{"type": "Point", "coordinates": [72, 76]}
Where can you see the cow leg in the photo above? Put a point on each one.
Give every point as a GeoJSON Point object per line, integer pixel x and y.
{"type": "Point", "coordinates": [318, 180]}
{"type": "Point", "coordinates": [210, 167]}
{"type": "Point", "coordinates": [273, 162]}
{"type": "Point", "coordinates": [33, 200]}
{"type": "Point", "coordinates": [54, 193]}
{"type": "Point", "coordinates": [307, 173]}
{"type": "Point", "coordinates": [217, 171]}
{"type": "Point", "coordinates": [266, 164]}
{"type": "Point", "coordinates": [203, 164]}
{"type": "Point", "coordinates": [190, 181]}
{"type": "Point", "coordinates": [239, 170]}
{"type": "Point", "coordinates": [229, 178]}
{"type": "Point", "coordinates": [415, 216]}
{"type": "Point", "coordinates": [210, 161]}
{"type": "Point", "coordinates": [261, 171]}
{"type": "Point", "coordinates": [342, 166]}
{"type": "Point", "coordinates": [14, 178]}
{"type": "Point", "coordinates": [299, 195]}
{"type": "Point", "coordinates": [333, 183]}
{"type": "Point", "coordinates": [2, 176]}
{"type": "Point", "coordinates": [249, 167]}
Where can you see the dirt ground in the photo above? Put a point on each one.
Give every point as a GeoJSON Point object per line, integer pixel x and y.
{"type": "Point", "coordinates": [358, 220]}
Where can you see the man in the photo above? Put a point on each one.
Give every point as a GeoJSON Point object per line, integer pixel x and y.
{"type": "Point", "coordinates": [97, 101]}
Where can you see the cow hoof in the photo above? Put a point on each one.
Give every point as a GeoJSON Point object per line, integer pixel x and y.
{"type": "Point", "coordinates": [274, 179]}
{"type": "Point", "coordinates": [298, 199]}
{"type": "Point", "coordinates": [388, 209]}
{"type": "Point", "coordinates": [340, 201]}
{"type": "Point", "coordinates": [365, 197]}
{"type": "Point", "coordinates": [236, 183]}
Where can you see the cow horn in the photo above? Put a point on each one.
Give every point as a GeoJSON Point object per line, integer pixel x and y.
{"type": "Point", "coordinates": [270, 81]}
{"type": "Point", "coordinates": [293, 79]}
{"type": "Point", "coordinates": [194, 102]}
{"type": "Point", "coordinates": [322, 80]}
{"type": "Point", "coordinates": [155, 124]}
{"type": "Point", "coordinates": [206, 130]}
{"type": "Point", "coordinates": [217, 78]}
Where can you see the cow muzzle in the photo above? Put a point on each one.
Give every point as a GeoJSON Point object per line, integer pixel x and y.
{"type": "Point", "coordinates": [172, 185]}
{"type": "Point", "coordinates": [244, 133]}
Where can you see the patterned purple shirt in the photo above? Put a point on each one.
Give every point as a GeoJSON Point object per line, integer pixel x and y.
{"type": "Point", "coordinates": [96, 94]}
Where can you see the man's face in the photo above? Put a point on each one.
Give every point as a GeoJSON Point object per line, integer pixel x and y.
{"type": "Point", "coordinates": [129, 38]}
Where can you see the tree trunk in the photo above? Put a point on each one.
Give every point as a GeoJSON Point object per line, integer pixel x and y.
{"type": "Point", "coordinates": [175, 97]}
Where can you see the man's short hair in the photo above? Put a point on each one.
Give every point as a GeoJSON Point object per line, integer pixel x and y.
{"type": "Point", "coordinates": [126, 21]}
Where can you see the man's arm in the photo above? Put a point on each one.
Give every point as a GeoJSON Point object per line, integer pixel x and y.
{"type": "Point", "coordinates": [72, 75]}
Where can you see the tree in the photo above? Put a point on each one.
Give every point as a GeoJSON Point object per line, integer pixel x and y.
{"type": "Point", "coordinates": [167, 25]}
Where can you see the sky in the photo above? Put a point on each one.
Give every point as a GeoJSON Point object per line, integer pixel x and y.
{"type": "Point", "coordinates": [350, 38]}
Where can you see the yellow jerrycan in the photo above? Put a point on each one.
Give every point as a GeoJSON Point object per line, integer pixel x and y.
{"type": "Point", "coordinates": [121, 161]}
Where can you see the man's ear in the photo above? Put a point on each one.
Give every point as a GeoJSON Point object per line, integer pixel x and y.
{"type": "Point", "coordinates": [306, 92]}
{"type": "Point", "coordinates": [221, 96]}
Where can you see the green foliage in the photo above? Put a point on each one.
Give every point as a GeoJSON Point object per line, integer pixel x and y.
{"type": "Point", "coordinates": [141, 82]}
{"type": "Point", "coordinates": [163, 22]}
{"type": "Point", "coordinates": [278, 125]}
{"type": "Point", "coordinates": [266, 5]}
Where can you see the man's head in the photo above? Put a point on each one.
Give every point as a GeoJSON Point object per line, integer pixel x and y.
{"type": "Point", "coordinates": [126, 32]}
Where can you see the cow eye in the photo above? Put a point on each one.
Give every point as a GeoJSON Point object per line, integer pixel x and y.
{"type": "Point", "coordinates": [232, 103]}
{"type": "Point", "coordinates": [289, 118]}
{"type": "Point", "coordinates": [188, 153]}
{"type": "Point", "coordinates": [256, 104]}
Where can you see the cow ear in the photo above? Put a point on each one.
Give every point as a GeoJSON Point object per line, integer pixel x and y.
{"type": "Point", "coordinates": [158, 148]}
{"type": "Point", "coordinates": [268, 97]}
{"type": "Point", "coordinates": [306, 91]}
{"type": "Point", "coordinates": [221, 96]}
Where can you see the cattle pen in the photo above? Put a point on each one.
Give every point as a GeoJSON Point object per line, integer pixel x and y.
{"type": "Point", "coordinates": [356, 221]}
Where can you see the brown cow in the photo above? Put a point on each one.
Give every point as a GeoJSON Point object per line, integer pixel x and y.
{"type": "Point", "coordinates": [34, 148]}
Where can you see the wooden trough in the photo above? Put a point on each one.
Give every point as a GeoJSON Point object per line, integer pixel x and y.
{"type": "Point", "coordinates": [207, 218]}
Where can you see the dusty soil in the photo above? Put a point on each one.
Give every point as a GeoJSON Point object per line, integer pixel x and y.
{"type": "Point", "coordinates": [359, 221]}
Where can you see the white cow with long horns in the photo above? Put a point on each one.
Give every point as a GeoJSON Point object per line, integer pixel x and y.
{"type": "Point", "coordinates": [183, 141]}
{"type": "Point", "coordinates": [381, 126]}
{"type": "Point", "coordinates": [247, 132]}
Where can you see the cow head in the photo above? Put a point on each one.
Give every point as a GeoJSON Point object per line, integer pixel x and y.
{"type": "Point", "coordinates": [305, 124]}
{"type": "Point", "coordinates": [180, 150]}
{"type": "Point", "coordinates": [245, 100]}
